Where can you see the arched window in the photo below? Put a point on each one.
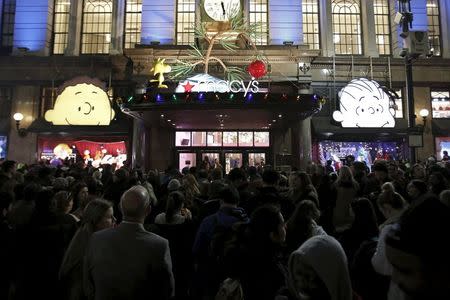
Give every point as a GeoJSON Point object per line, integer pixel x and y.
{"type": "Point", "coordinates": [97, 24]}
{"type": "Point", "coordinates": [258, 11]}
{"type": "Point", "coordinates": [434, 26]}
{"type": "Point", "coordinates": [185, 22]}
{"type": "Point", "coordinates": [61, 26]}
{"type": "Point", "coordinates": [382, 26]}
{"type": "Point", "coordinates": [133, 23]}
{"type": "Point", "coordinates": [310, 17]}
{"type": "Point", "coordinates": [346, 26]}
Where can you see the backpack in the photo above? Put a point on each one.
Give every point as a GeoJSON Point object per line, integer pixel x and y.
{"type": "Point", "coordinates": [230, 289]}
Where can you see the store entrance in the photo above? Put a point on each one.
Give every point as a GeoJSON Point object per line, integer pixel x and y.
{"type": "Point", "coordinates": [227, 159]}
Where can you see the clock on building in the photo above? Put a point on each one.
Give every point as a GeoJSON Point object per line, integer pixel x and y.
{"type": "Point", "coordinates": [222, 10]}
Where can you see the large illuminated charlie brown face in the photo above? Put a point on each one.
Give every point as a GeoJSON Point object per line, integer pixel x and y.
{"type": "Point", "coordinates": [363, 103]}
{"type": "Point", "coordinates": [81, 104]}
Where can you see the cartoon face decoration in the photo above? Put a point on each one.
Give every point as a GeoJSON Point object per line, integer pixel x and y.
{"type": "Point", "coordinates": [363, 103]}
{"type": "Point", "coordinates": [82, 103]}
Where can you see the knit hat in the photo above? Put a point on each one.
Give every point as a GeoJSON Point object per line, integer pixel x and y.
{"type": "Point", "coordinates": [174, 184]}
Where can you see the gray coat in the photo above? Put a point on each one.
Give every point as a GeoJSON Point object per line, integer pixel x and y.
{"type": "Point", "coordinates": [128, 262]}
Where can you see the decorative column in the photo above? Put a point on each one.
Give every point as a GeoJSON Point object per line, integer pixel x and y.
{"type": "Point", "coordinates": [74, 35]}
{"type": "Point", "coordinates": [326, 28]}
{"type": "Point", "coordinates": [301, 143]}
{"type": "Point", "coordinates": [118, 27]}
{"type": "Point", "coordinates": [368, 28]}
{"type": "Point", "coordinates": [140, 144]}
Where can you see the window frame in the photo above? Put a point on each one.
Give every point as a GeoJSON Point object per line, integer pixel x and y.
{"type": "Point", "coordinates": [54, 33]}
{"type": "Point", "coordinates": [10, 34]}
{"type": "Point", "coordinates": [82, 33]}
{"type": "Point", "coordinates": [389, 33]}
{"type": "Point", "coordinates": [177, 16]}
{"type": "Point", "coordinates": [360, 45]}
{"type": "Point", "coordinates": [125, 33]}
{"type": "Point", "coordinates": [263, 30]}
{"type": "Point", "coordinates": [319, 44]}
{"type": "Point", "coordinates": [440, 28]}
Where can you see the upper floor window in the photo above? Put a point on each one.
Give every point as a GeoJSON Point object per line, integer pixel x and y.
{"type": "Point", "coordinates": [398, 104]}
{"type": "Point", "coordinates": [61, 26]}
{"type": "Point", "coordinates": [7, 26]}
{"type": "Point", "coordinates": [97, 25]}
{"type": "Point", "coordinates": [185, 22]}
{"type": "Point", "coordinates": [382, 26]}
{"type": "Point", "coordinates": [440, 104]}
{"type": "Point", "coordinates": [258, 16]}
{"type": "Point", "coordinates": [434, 26]}
{"type": "Point", "coordinates": [346, 16]}
{"type": "Point", "coordinates": [133, 23]}
{"type": "Point", "coordinates": [310, 16]}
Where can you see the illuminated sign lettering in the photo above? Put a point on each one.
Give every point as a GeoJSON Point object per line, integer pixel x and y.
{"type": "Point", "coordinates": [206, 83]}
{"type": "Point", "coordinates": [82, 101]}
{"type": "Point", "coordinates": [364, 104]}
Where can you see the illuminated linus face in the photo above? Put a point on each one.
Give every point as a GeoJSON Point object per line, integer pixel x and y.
{"type": "Point", "coordinates": [363, 103]}
{"type": "Point", "coordinates": [81, 104]}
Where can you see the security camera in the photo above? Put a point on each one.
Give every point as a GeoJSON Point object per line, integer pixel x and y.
{"type": "Point", "coordinates": [403, 52]}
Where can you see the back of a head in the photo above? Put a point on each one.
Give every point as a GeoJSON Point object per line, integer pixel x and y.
{"type": "Point", "coordinates": [62, 201]}
{"type": "Point", "coordinates": [134, 203]}
{"type": "Point", "coordinates": [445, 197]}
{"type": "Point", "coordinates": [326, 257]}
{"type": "Point", "coordinates": [7, 165]}
{"type": "Point", "coordinates": [228, 196]}
{"type": "Point", "coordinates": [94, 212]}
{"type": "Point", "coordinates": [122, 174]}
{"type": "Point", "coordinates": [270, 177]}
{"type": "Point", "coordinates": [263, 221]}
{"type": "Point", "coordinates": [365, 218]}
{"type": "Point", "coordinates": [420, 185]}
{"type": "Point", "coordinates": [306, 210]}
{"type": "Point", "coordinates": [236, 174]}
{"type": "Point", "coordinates": [389, 197]}
{"type": "Point", "coordinates": [217, 173]}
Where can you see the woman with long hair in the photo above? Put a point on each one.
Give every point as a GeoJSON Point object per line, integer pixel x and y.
{"type": "Point", "coordinates": [175, 212]}
{"type": "Point", "coordinates": [98, 215]}
{"type": "Point", "coordinates": [301, 188]}
{"type": "Point", "coordinates": [302, 225]}
{"type": "Point", "coordinates": [346, 189]}
{"type": "Point", "coordinates": [190, 189]}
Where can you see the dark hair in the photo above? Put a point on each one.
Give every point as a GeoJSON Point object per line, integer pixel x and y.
{"type": "Point", "coordinates": [420, 185]}
{"type": "Point", "coordinates": [62, 200]}
{"type": "Point", "coordinates": [300, 224]}
{"type": "Point", "coordinates": [94, 212]}
{"type": "Point", "coordinates": [380, 167]}
{"type": "Point", "coordinates": [263, 221]}
{"type": "Point", "coordinates": [236, 174]}
{"type": "Point", "coordinates": [77, 187]}
{"type": "Point", "coordinates": [270, 176]}
{"type": "Point", "coordinates": [421, 230]}
{"type": "Point", "coordinates": [7, 165]}
{"type": "Point", "coordinates": [391, 198]}
{"type": "Point", "coordinates": [365, 223]}
{"type": "Point", "coordinates": [174, 202]}
{"type": "Point", "coordinates": [80, 80]}
{"type": "Point", "coordinates": [228, 196]}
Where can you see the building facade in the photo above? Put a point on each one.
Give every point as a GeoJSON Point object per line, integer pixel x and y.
{"type": "Point", "coordinates": [313, 48]}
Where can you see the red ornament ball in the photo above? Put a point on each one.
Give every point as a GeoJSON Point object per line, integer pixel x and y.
{"type": "Point", "coordinates": [257, 69]}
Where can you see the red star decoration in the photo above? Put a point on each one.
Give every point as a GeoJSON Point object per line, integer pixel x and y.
{"type": "Point", "coordinates": [188, 87]}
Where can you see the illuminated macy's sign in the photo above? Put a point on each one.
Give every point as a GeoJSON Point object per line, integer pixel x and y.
{"type": "Point", "coordinates": [207, 83]}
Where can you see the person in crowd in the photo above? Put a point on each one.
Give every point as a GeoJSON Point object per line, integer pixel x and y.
{"type": "Point", "coordinates": [23, 207]}
{"type": "Point", "coordinates": [445, 156]}
{"type": "Point", "coordinates": [345, 189]}
{"type": "Point", "coordinates": [418, 253]}
{"type": "Point", "coordinates": [302, 225]}
{"type": "Point", "coordinates": [60, 184]}
{"type": "Point", "coordinates": [127, 262]}
{"type": "Point", "coordinates": [329, 167]}
{"type": "Point", "coordinates": [318, 271]}
{"type": "Point", "coordinates": [417, 191]}
{"type": "Point", "coordinates": [6, 240]}
{"type": "Point", "coordinates": [115, 189]}
{"type": "Point", "coordinates": [301, 188]}
{"type": "Point", "coordinates": [445, 197]}
{"type": "Point", "coordinates": [175, 212]}
{"type": "Point", "coordinates": [392, 205]}
{"type": "Point", "coordinates": [255, 256]}
{"type": "Point", "coordinates": [190, 189]}
{"type": "Point", "coordinates": [98, 215]}
{"type": "Point", "coordinates": [418, 172]}
{"type": "Point", "coordinates": [203, 183]}
{"type": "Point", "coordinates": [229, 213]}
{"type": "Point", "coordinates": [63, 203]}
{"type": "Point", "coordinates": [80, 194]}
{"type": "Point", "coordinates": [364, 227]}
{"type": "Point", "coordinates": [437, 183]}
{"type": "Point", "coordinates": [397, 177]}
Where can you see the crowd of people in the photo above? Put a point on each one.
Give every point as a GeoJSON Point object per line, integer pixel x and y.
{"type": "Point", "coordinates": [76, 232]}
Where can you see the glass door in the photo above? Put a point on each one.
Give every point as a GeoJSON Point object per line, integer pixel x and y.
{"type": "Point", "coordinates": [210, 160]}
{"type": "Point", "coordinates": [256, 159]}
{"type": "Point", "coordinates": [187, 159]}
{"type": "Point", "coordinates": [232, 160]}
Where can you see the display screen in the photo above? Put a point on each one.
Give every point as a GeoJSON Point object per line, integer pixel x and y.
{"type": "Point", "coordinates": [3, 146]}
{"type": "Point", "coordinates": [199, 138]}
{"type": "Point", "coordinates": [440, 104]}
{"type": "Point", "coordinates": [230, 139]}
{"type": "Point", "coordinates": [262, 139]}
{"type": "Point", "coordinates": [183, 138]}
{"type": "Point", "coordinates": [214, 139]}
{"type": "Point", "coordinates": [246, 139]}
